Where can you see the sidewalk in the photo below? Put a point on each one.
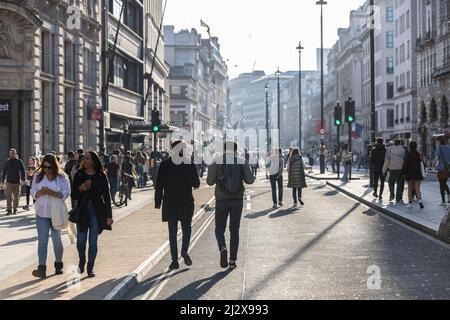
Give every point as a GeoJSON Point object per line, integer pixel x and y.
{"type": "Point", "coordinates": [121, 251]}
{"type": "Point", "coordinates": [426, 220]}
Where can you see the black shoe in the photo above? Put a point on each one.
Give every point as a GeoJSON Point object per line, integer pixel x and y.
{"type": "Point", "coordinates": [224, 258]}
{"type": "Point", "coordinates": [40, 272]}
{"type": "Point", "coordinates": [174, 265]}
{"type": "Point", "coordinates": [8, 213]}
{"type": "Point", "coordinates": [59, 268]}
{"type": "Point", "coordinates": [81, 266]}
{"type": "Point", "coordinates": [301, 202]}
{"type": "Point", "coordinates": [380, 198]}
{"type": "Point", "coordinates": [26, 208]}
{"type": "Point", "coordinates": [187, 259]}
{"type": "Point", "coordinates": [15, 212]}
{"type": "Point", "coordinates": [90, 270]}
{"type": "Point", "coordinates": [375, 195]}
{"type": "Point", "coordinates": [421, 205]}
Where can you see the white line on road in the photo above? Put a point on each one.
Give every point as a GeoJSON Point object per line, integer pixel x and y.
{"type": "Point", "coordinates": [162, 280]}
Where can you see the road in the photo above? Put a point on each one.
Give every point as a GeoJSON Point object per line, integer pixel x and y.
{"type": "Point", "coordinates": [333, 248]}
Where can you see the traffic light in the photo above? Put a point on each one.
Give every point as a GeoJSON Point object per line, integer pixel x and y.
{"type": "Point", "coordinates": [156, 122]}
{"type": "Point", "coordinates": [350, 111]}
{"type": "Point", "coordinates": [338, 115]}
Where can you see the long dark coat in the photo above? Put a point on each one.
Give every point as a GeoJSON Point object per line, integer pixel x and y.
{"type": "Point", "coordinates": [296, 173]}
{"type": "Point", "coordinates": [101, 199]}
{"type": "Point", "coordinates": [411, 167]}
{"type": "Point", "coordinates": [174, 190]}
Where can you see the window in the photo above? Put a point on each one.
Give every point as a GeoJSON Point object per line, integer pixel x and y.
{"type": "Point", "coordinates": [127, 74]}
{"type": "Point", "coordinates": [390, 118]}
{"type": "Point", "coordinates": [402, 53]}
{"type": "Point", "coordinates": [407, 20]}
{"type": "Point", "coordinates": [408, 112]}
{"type": "Point", "coordinates": [397, 113]}
{"type": "Point", "coordinates": [176, 90]}
{"type": "Point", "coordinates": [402, 24]}
{"type": "Point", "coordinates": [408, 79]}
{"type": "Point", "coordinates": [389, 39]}
{"type": "Point", "coordinates": [396, 56]}
{"type": "Point", "coordinates": [402, 119]}
{"type": "Point", "coordinates": [69, 63]}
{"type": "Point", "coordinates": [390, 90]}
{"type": "Point", "coordinates": [389, 14]}
{"type": "Point", "coordinates": [390, 65]}
{"type": "Point", "coordinates": [46, 52]}
{"type": "Point", "coordinates": [396, 27]}
{"type": "Point", "coordinates": [408, 49]}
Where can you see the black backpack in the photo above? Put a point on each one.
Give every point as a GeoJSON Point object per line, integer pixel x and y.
{"type": "Point", "coordinates": [231, 177]}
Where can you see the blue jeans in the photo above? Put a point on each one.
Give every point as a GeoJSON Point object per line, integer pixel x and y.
{"type": "Point", "coordinates": [347, 167]}
{"type": "Point", "coordinates": [93, 237]}
{"type": "Point", "coordinates": [140, 173]}
{"type": "Point", "coordinates": [113, 185]}
{"type": "Point", "coordinates": [274, 181]}
{"type": "Point", "coordinates": [44, 226]}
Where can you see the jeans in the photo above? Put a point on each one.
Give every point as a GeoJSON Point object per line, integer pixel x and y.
{"type": "Point", "coordinates": [378, 177]}
{"type": "Point", "coordinates": [295, 192]}
{"type": "Point", "coordinates": [234, 209]}
{"type": "Point", "coordinates": [333, 166]}
{"type": "Point", "coordinates": [274, 180]}
{"type": "Point", "coordinates": [443, 188]}
{"type": "Point", "coordinates": [322, 164]}
{"type": "Point", "coordinates": [113, 185]}
{"type": "Point", "coordinates": [27, 194]}
{"type": "Point", "coordinates": [396, 177]}
{"type": "Point", "coordinates": [255, 171]}
{"type": "Point", "coordinates": [44, 226]}
{"type": "Point", "coordinates": [140, 173]}
{"type": "Point", "coordinates": [347, 167]}
{"type": "Point", "coordinates": [82, 238]}
{"type": "Point", "coordinates": [173, 230]}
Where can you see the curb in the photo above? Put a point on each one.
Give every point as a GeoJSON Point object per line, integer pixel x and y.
{"type": "Point", "coordinates": [132, 279]}
{"type": "Point", "coordinates": [389, 213]}
{"type": "Point", "coordinates": [325, 179]}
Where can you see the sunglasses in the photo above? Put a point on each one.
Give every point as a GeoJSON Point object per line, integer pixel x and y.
{"type": "Point", "coordinates": [47, 167]}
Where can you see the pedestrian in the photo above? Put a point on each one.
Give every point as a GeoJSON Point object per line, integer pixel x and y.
{"type": "Point", "coordinates": [254, 163]}
{"type": "Point", "coordinates": [322, 155]}
{"type": "Point", "coordinates": [347, 158]}
{"type": "Point", "coordinates": [50, 184]}
{"type": "Point", "coordinates": [377, 157]}
{"type": "Point", "coordinates": [90, 191]}
{"type": "Point", "coordinates": [296, 176]}
{"type": "Point", "coordinates": [140, 162]}
{"type": "Point", "coordinates": [129, 173]}
{"type": "Point", "coordinates": [412, 170]}
{"type": "Point", "coordinates": [442, 161]}
{"type": "Point", "coordinates": [395, 158]}
{"type": "Point", "coordinates": [276, 167]}
{"type": "Point", "coordinates": [71, 162]}
{"type": "Point", "coordinates": [334, 160]}
{"type": "Point", "coordinates": [229, 172]}
{"type": "Point", "coordinates": [104, 158]}
{"type": "Point", "coordinates": [177, 177]}
{"type": "Point", "coordinates": [14, 175]}
{"type": "Point", "coordinates": [29, 180]}
{"type": "Point", "coordinates": [112, 172]}
{"type": "Point", "coordinates": [80, 154]}
{"type": "Point", "coordinates": [311, 157]}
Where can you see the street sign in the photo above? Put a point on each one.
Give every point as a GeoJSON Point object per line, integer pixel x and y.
{"type": "Point", "coordinates": [322, 132]}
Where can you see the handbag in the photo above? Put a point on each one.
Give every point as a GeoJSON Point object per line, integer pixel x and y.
{"type": "Point", "coordinates": [74, 214]}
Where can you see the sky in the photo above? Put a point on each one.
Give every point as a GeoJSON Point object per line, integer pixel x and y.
{"type": "Point", "coordinates": [263, 34]}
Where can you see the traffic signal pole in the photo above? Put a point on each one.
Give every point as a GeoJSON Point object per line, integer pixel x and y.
{"type": "Point", "coordinates": [350, 149]}
{"type": "Point", "coordinates": [339, 151]}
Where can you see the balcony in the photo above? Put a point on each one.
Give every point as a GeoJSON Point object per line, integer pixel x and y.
{"type": "Point", "coordinates": [442, 71]}
{"type": "Point", "coordinates": [400, 89]}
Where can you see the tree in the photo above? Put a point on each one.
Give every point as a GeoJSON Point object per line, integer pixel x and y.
{"type": "Point", "coordinates": [433, 111]}
{"type": "Point", "coordinates": [444, 110]}
{"type": "Point", "coordinates": [423, 112]}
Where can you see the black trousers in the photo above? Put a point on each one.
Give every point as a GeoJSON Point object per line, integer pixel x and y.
{"type": "Point", "coordinates": [444, 189]}
{"type": "Point", "coordinates": [232, 208]}
{"type": "Point", "coordinates": [173, 230]}
{"type": "Point", "coordinates": [296, 194]}
{"type": "Point", "coordinates": [274, 180]}
{"type": "Point", "coordinates": [378, 177]}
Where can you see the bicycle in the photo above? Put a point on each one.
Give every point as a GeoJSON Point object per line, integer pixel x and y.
{"type": "Point", "coordinates": [121, 196]}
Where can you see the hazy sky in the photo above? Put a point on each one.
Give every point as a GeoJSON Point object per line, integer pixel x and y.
{"type": "Point", "coordinates": [263, 31]}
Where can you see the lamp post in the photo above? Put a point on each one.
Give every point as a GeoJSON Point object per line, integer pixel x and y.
{"type": "Point", "coordinates": [373, 119]}
{"type": "Point", "coordinates": [300, 48]}
{"type": "Point", "coordinates": [278, 73]}
{"type": "Point", "coordinates": [322, 127]}
{"type": "Point", "coordinates": [266, 88]}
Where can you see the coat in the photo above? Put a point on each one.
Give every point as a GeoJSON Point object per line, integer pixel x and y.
{"type": "Point", "coordinates": [296, 173]}
{"type": "Point", "coordinates": [101, 200]}
{"type": "Point", "coordinates": [174, 190]}
{"type": "Point", "coordinates": [395, 158]}
{"type": "Point", "coordinates": [377, 157]}
{"type": "Point", "coordinates": [411, 168]}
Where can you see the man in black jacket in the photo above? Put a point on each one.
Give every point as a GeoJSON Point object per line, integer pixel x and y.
{"type": "Point", "coordinates": [176, 178]}
{"type": "Point", "coordinates": [14, 174]}
{"type": "Point", "coordinates": [377, 157]}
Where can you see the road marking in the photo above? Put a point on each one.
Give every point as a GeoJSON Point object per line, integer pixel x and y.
{"type": "Point", "coordinates": [164, 278]}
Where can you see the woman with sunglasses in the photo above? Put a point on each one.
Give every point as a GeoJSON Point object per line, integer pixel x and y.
{"type": "Point", "coordinates": [50, 181]}
{"type": "Point", "coordinates": [90, 191]}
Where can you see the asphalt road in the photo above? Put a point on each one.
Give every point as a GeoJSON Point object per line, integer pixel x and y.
{"type": "Point", "coordinates": [332, 248]}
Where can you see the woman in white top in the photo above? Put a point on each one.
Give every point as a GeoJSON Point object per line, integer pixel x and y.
{"type": "Point", "coordinates": [49, 182]}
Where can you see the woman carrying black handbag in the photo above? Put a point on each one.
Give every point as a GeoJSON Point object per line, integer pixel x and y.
{"type": "Point", "coordinates": [90, 189]}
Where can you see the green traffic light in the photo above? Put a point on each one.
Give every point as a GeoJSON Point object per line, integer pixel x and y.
{"type": "Point", "coordinates": [155, 129]}
{"type": "Point", "coordinates": [338, 122]}
{"type": "Point", "coordinates": [350, 119]}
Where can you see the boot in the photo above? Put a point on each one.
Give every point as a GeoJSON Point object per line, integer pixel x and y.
{"type": "Point", "coordinates": [59, 268]}
{"type": "Point", "coordinates": [40, 272]}
{"type": "Point", "coordinates": [90, 270]}
{"type": "Point", "coordinates": [81, 265]}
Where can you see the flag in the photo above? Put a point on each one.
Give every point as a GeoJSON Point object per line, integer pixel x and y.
{"type": "Point", "coordinates": [357, 130]}
{"type": "Point", "coordinates": [203, 24]}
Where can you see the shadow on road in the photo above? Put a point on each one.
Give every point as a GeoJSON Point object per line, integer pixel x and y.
{"type": "Point", "coordinates": [259, 214]}
{"type": "Point", "coordinates": [283, 213]}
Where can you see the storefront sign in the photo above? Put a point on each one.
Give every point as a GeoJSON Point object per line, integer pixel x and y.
{"type": "Point", "coordinates": [5, 106]}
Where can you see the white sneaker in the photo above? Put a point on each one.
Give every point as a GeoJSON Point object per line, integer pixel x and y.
{"type": "Point", "coordinates": [443, 205]}
{"type": "Point", "coordinates": [409, 206]}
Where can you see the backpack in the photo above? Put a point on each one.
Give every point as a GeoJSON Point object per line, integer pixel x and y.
{"type": "Point", "coordinates": [231, 176]}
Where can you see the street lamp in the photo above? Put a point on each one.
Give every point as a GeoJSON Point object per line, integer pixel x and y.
{"type": "Point", "coordinates": [278, 73]}
{"type": "Point", "coordinates": [300, 48]}
{"type": "Point", "coordinates": [321, 3]}
{"type": "Point", "coordinates": [266, 88]}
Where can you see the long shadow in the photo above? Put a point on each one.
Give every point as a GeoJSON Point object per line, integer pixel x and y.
{"type": "Point", "coordinates": [261, 194]}
{"type": "Point", "coordinates": [147, 284]}
{"type": "Point", "coordinates": [10, 292]}
{"type": "Point", "coordinates": [14, 242]}
{"type": "Point", "coordinates": [259, 214]}
{"type": "Point", "coordinates": [23, 222]}
{"type": "Point", "coordinates": [331, 193]}
{"type": "Point", "coordinates": [197, 289]}
{"type": "Point", "coordinates": [308, 246]}
{"type": "Point", "coordinates": [283, 213]}
{"type": "Point", "coordinates": [319, 187]}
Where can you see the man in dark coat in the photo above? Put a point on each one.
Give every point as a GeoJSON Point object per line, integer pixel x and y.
{"type": "Point", "coordinates": [377, 158]}
{"type": "Point", "coordinates": [177, 176]}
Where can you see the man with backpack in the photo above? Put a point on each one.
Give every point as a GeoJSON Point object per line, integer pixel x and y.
{"type": "Point", "coordinates": [228, 173]}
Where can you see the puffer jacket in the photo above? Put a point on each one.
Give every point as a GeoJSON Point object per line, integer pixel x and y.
{"type": "Point", "coordinates": [296, 172]}
{"type": "Point", "coordinates": [395, 158]}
